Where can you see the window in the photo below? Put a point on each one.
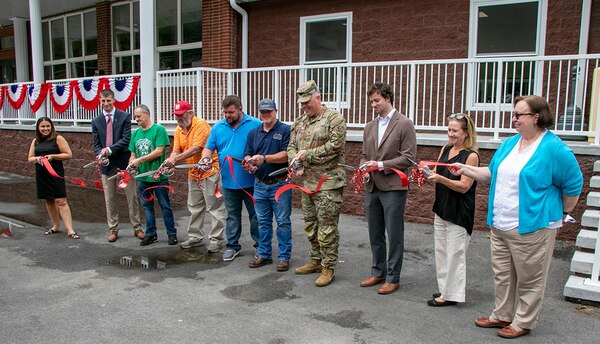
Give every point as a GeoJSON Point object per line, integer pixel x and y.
{"type": "Point", "coordinates": [505, 28]}
{"type": "Point", "coordinates": [126, 37]}
{"type": "Point", "coordinates": [327, 39]}
{"type": "Point", "coordinates": [179, 34]}
{"type": "Point", "coordinates": [69, 45]}
{"type": "Point", "coordinates": [7, 42]}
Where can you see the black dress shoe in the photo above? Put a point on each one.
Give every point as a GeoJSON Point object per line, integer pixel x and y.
{"type": "Point", "coordinates": [434, 303]}
{"type": "Point", "coordinates": [258, 262]}
{"type": "Point", "coordinates": [436, 295]}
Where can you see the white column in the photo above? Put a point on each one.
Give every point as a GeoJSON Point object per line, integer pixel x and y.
{"type": "Point", "coordinates": [37, 48]}
{"type": "Point", "coordinates": [147, 51]}
{"type": "Point", "coordinates": [21, 50]}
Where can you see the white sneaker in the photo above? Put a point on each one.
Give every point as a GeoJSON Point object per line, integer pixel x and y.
{"type": "Point", "coordinates": [214, 247]}
{"type": "Point", "coordinates": [191, 242]}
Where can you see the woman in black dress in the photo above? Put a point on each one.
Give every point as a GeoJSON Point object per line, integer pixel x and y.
{"type": "Point", "coordinates": [47, 144]}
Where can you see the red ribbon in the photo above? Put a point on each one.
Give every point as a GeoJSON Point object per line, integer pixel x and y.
{"type": "Point", "coordinates": [78, 182]}
{"type": "Point", "coordinates": [435, 163]}
{"type": "Point", "coordinates": [53, 173]}
{"type": "Point", "coordinates": [229, 160]}
{"type": "Point", "coordinates": [49, 168]}
{"type": "Point", "coordinates": [151, 197]}
{"type": "Point", "coordinates": [357, 178]}
{"type": "Point", "coordinates": [125, 178]}
{"type": "Point", "coordinates": [290, 186]}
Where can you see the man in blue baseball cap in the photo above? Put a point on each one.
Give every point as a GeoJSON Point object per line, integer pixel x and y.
{"type": "Point", "coordinates": [266, 152]}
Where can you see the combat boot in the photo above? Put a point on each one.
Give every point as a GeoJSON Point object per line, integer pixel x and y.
{"type": "Point", "coordinates": [309, 268]}
{"type": "Point", "coordinates": [327, 276]}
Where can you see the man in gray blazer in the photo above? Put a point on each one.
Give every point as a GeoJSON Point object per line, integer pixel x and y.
{"type": "Point", "coordinates": [389, 142]}
{"type": "Point", "coordinates": [111, 131]}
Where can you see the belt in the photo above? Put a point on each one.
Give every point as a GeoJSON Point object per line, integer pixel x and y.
{"type": "Point", "coordinates": [270, 181]}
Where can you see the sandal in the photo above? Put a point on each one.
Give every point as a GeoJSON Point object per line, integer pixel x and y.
{"type": "Point", "coordinates": [51, 231]}
{"type": "Point", "coordinates": [74, 235]}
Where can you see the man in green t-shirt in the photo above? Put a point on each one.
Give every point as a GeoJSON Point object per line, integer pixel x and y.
{"type": "Point", "coordinates": [147, 148]}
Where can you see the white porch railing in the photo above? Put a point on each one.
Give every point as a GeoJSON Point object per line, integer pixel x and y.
{"type": "Point", "coordinates": [74, 115]}
{"type": "Point", "coordinates": [427, 90]}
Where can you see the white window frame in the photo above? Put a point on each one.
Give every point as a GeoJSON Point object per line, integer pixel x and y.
{"type": "Point", "coordinates": [472, 72]}
{"type": "Point", "coordinates": [340, 103]}
{"type": "Point", "coordinates": [131, 53]}
{"type": "Point", "coordinates": [179, 47]}
{"type": "Point", "coordinates": [68, 60]}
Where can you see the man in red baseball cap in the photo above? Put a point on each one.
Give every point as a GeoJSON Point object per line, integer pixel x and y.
{"type": "Point", "coordinates": [189, 140]}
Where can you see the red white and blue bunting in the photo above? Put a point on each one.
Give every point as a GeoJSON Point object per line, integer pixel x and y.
{"type": "Point", "coordinates": [124, 90]}
{"type": "Point", "coordinates": [2, 95]}
{"type": "Point", "coordinates": [37, 94]}
{"type": "Point", "coordinates": [16, 95]}
{"type": "Point", "coordinates": [60, 96]}
{"type": "Point", "coordinates": [88, 91]}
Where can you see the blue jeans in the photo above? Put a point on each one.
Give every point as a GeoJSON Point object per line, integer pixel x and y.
{"type": "Point", "coordinates": [265, 208]}
{"type": "Point", "coordinates": [162, 195]}
{"type": "Point", "coordinates": [233, 227]}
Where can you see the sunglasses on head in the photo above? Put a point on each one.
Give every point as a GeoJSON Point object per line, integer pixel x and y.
{"type": "Point", "coordinates": [458, 116]}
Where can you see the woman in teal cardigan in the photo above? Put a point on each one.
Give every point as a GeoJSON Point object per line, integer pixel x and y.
{"type": "Point", "coordinates": [534, 181]}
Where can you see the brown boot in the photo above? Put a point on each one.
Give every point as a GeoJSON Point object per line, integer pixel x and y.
{"type": "Point", "coordinates": [327, 276]}
{"type": "Point", "coordinates": [138, 233]}
{"type": "Point", "coordinates": [309, 268]}
{"type": "Point", "coordinates": [113, 236]}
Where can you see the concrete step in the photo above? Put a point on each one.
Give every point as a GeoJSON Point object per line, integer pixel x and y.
{"type": "Point", "coordinates": [582, 262]}
{"type": "Point", "coordinates": [593, 199]}
{"type": "Point", "coordinates": [590, 218]}
{"type": "Point", "coordinates": [597, 166]}
{"type": "Point", "coordinates": [595, 182]}
{"type": "Point", "coordinates": [580, 288]}
{"type": "Point", "coordinates": [587, 239]}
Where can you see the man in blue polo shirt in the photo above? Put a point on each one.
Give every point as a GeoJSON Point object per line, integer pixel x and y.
{"type": "Point", "coordinates": [266, 152]}
{"type": "Point", "coordinates": [228, 137]}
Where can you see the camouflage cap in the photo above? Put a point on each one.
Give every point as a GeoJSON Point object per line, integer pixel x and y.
{"type": "Point", "coordinates": [306, 90]}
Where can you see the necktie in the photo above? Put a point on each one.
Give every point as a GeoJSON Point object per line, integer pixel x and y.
{"type": "Point", "coordinates": [109, 131]}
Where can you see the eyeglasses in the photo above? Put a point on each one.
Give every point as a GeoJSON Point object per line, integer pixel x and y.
{"type": "Point", "coordinates": [518, 115]}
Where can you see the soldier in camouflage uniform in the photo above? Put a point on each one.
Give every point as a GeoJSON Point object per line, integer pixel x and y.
{"type": "Point", "coordinates": [318, 140]}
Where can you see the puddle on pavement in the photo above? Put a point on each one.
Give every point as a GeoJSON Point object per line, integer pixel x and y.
{"type": "Point", "coordinates": [164, 260]}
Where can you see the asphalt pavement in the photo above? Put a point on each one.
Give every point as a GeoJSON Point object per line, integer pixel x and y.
{"type": "Point", "coordinates": [54, 289]}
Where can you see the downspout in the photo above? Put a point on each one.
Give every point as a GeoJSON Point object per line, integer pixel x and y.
{"type": "Point", "coordinates": [584, 32]}
{"type": "Point", "coordinates": [244, 79]}
{"type": "Point", "coordinates": [244, 14]}
{"type": "Point", "coordinates": [584, 36]}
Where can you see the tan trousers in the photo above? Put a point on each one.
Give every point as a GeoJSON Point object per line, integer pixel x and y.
{"type": "Point", "coordinates": [110, 196]}
{"type": "Point", "coordinates": [201, 198]}
{"type": "Point", "coordinates": [451, 243]}
{"type": "Point", "coordinates": [520, 264]}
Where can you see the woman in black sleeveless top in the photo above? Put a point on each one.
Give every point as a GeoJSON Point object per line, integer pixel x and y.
{"type": "Point", "coordinates": [454, 209]}
{"type": "Point", "coordinates": [50, 188]}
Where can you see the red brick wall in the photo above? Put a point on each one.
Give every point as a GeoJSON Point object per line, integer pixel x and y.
{"type": "Point", "coordinates": [418, 207]}
{"type": "Point", "coordinates": [104, 41]}
{"type": "Point", "coordinates": [220, 35]}
{"type": "Point", "coordinates": [397, 30]}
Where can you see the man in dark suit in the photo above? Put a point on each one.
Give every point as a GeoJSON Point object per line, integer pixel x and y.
{"type": "Point", "coordinates": [389, 142]}
{"type": "Point", "coordinates": [112, 131]}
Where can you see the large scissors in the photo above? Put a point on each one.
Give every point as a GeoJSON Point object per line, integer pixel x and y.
{"type": "Point", "coordinates": [294, 166]}
{"type": "Point", "coordinates": [426, 171]}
